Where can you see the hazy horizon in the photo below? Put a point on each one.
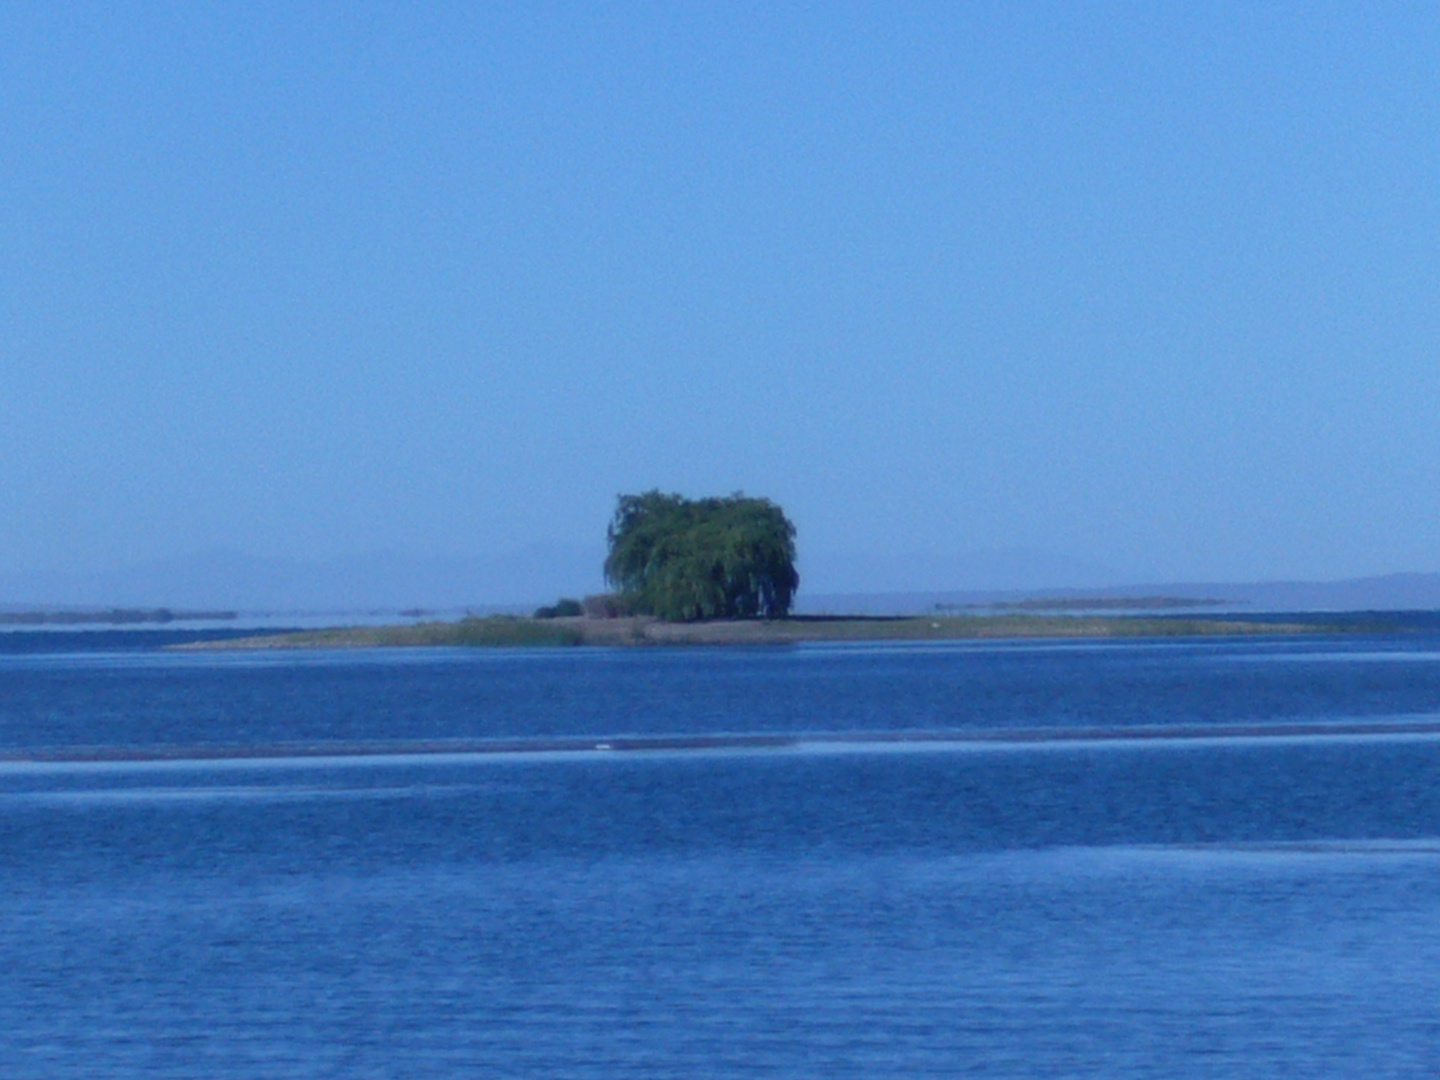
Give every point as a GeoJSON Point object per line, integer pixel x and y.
{"type": "Point", "coordinates": [524, 578]}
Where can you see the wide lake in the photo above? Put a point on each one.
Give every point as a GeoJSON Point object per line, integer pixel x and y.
{"type": "Point", "coordinates": [1193, 858]}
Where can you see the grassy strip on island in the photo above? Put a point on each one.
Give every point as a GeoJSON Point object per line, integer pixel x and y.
{"type": "Point", "coordinates": [505, 630]}
{"type": "Point", "coordinates": [495, 630]}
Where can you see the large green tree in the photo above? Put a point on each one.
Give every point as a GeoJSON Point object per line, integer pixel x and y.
{"type": "Point", "coordinates": [717, 558]}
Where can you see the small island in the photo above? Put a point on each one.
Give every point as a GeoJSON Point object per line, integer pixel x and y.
{"type": "Point", "coordinates": [505, 630]}
{"type": "Point", "coordinates": [721, 571]}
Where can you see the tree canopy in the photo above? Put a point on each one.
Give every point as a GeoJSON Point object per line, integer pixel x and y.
{"type": "Point", "coordinates": [716, 558]}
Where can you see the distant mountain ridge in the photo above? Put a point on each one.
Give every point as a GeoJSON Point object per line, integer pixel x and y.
{"type": "Point", "coordinates": [539, 573]}
{"type": "Point", "coordinates": [1386, 592]}
{"type": "Point", "coordinates": [377, 581]}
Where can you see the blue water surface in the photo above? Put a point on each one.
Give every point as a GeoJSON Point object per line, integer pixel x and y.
{"type": "Point", "coordinates": [1255, 905]}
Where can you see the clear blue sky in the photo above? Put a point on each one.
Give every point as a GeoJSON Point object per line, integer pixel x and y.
{"type": "Point", "coordinates": [1150, 285]}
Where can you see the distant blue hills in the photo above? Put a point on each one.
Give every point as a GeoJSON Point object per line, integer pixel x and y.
{"type": "Point", "coordinates": [525, 577]}
{"type": "Point", "coordinates": [1388, 592]}
{"type": "Point", "coordinates": [380, 581]}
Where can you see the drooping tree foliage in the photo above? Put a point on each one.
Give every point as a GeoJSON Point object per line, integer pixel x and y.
{"type": "Point", "coordinates": [718, 558]}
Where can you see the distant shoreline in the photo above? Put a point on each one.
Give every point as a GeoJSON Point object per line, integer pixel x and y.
{"type": "Point", "coordinates": [110, 617]}
{"type": "Point", "coordinates": [502, 631]}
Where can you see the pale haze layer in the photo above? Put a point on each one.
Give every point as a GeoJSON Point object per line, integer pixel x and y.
{"type": "Point", "coordinates": [1147, 291]}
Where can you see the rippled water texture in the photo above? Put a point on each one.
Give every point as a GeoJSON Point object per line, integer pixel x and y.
{"type": "Point", "coordinates": [1254, 904]}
